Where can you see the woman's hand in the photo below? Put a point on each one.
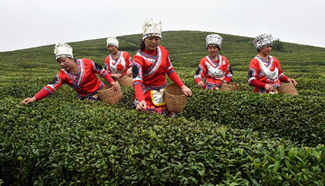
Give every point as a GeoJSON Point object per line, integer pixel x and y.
{"type": "Point", "coordinates": [141, 106]}
{"type": "Point", "coordinates": [294, 82]}
{"type": "Point", "coordinates": [269, 87]}
{"type": "Point", "coordinates": [186, 90]}
{"type": "Point", "coordinates": [129, 72]}
{"type": "Point", "coordinates": [28, 100]}
{"type": "Point", "coordinates": [201, 84]}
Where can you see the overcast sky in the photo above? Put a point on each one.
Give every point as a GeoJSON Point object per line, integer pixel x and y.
{"type": "Point", "coordinates": [31, 23]}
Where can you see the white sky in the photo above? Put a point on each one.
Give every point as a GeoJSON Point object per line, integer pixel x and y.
{"type": "Point", "coordinates": [31, 23]}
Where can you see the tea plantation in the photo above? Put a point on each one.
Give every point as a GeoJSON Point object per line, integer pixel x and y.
{"type": "Point", "coordinates": [221, 138]}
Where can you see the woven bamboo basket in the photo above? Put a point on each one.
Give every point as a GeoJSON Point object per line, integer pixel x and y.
{"type": "Point", "coordinates": [174, 98]}
{"type": "Point", "coordinates": [110, 96]}
{"type": "Point", "coordinates": [229, 86]}
{"type": "Point", "coordinates": [287, 88]}
{"type": "Point", "coordinates": [126, 81]}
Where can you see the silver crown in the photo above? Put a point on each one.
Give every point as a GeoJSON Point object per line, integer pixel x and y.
{"type": "Point", "coordinates": [261, 40]}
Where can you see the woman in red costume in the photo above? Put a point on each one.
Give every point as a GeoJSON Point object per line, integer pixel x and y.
{"type": "Point", "coordinates": [117, 63]}
{"type": "Point", "coordinates": [265, 73]}
{"type": "Point", "coordinates": [80, 74]}
{"type": "Point", "coordinates": [214, 69]}
{"type": "Point", "coordinates": [150, 66]}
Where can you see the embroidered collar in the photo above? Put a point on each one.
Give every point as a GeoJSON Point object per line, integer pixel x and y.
{"type": "Point", "coordinates": [266, 68]}
{"type": "Point", "coordinates": [155, 60]}
{"type": "Point", "coordinates": [213, 62]}
{"type": "Point", "coordinates": [114, 61]}
{"type": "Point", "coordinates": [267, 61]}
{"type": "Point", "coordinates": [76, 78]}
{"type": "Point", "coordinates": [154, 54]}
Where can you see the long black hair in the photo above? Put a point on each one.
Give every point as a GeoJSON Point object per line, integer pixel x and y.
{"type": "Point", "coordinates": [142, 45]}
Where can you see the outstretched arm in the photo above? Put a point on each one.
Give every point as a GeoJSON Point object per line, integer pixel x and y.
{"type": "Point", "coordinates": [284, 78]}
{"type": "Point", "coordinates": [138, 84]}
{"type": "Point", "coordinates": [49, 89]}
{"type": "Point", "coordinates": [200, 74]}
{"type": "Point", "coordinates": [228, 74]}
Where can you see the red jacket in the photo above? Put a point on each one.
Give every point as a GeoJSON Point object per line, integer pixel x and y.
{"type": "Point", "coordinates": [150, 69]}
{"type": "Point", "coordinates": [121, 65]}
{"type": "Point", "coordinates": [213, 71]}
{"type": "Point", "coordinates": [258, 78]}
{"type": "Point", "coordinates": [84, 83]}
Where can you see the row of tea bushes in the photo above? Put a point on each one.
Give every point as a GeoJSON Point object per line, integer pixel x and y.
{"type": "Point", "coordinates": [61, 141]}
{"type": "Point", "coordinates": [298, 118]}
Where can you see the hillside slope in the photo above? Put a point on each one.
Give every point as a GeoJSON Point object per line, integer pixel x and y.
{"type": "Point", "coordinates": [226, 138]}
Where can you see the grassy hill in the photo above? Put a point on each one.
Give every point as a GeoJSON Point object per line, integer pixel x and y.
{"type": "Point", "coordinates": [221, 138]}
{"type": "Point", "coordinates": [185, 47]}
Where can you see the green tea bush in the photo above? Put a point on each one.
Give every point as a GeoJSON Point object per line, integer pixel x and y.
{"type": "Point", "coordinates": [80, 143]}
{"type": "Point", "coordinates": [300, 119]}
